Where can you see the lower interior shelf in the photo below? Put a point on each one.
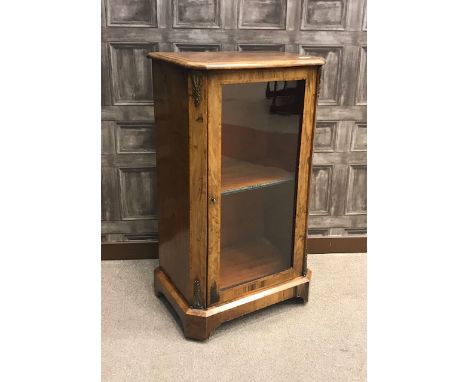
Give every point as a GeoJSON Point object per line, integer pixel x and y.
{"type": "Point", "coordinates": [237, 175]}
{"type": "Point", "coordinates": [249, 261]}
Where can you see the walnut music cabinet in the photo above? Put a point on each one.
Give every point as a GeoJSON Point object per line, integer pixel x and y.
{"type": "Point", "coordinates": [234, 134]}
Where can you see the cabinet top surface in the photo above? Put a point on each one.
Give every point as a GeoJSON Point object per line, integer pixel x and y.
{"type": "Point", "coordinates": [236, 60]}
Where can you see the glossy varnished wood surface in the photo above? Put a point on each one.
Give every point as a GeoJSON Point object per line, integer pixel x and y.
{"type": "Point", "coordinates": [216, 79]}
{"type": "Point", "coordinates": [236, 60]}
{"type": "Point", "coordinates": [246, 76]}
{"type": "Point", "coordinates": [172, 156]}
{"type": "Point", "coordinates": [249, 261]}
{"type": "Point", "coordinates": [198, 324]}
{"type": "Point", "coordinates": [189, 163]}
{"type": "Point", "coordinates": [182, 176]}
{"type": "Point", "coordinates": [240, 175]}
{"type": "Point", "coordinates": [304, 171]}
{"type": "Point", "coordinates": [214, 190]}
{"type": "Point", "coordinates": [197, 131]}
{"type": "Point", "coordinates": [310, 107]}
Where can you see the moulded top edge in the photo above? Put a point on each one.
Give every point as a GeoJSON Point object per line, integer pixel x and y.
{"type": "Point", "coordinates": [236, 60]}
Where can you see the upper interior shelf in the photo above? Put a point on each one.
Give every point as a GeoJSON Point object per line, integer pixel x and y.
{"type": "Point", "coordinates": [236, 60]}
{"type": "Point", "coordinates": [239, 175]}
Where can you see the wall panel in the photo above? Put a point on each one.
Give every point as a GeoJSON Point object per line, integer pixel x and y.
{"type": "Point", "coordinates": [334, 29]}
{"type": "Point", "coordinates": [196, 14]}
{"type": "Point", "coordinates": [324, 14]}
{"type": "Point", "coordinates": [137, 196]}
{"type": "Point", "coordinates": [135, 13]}
{"type": "Point", "coordinates": [135, 137]}
{"type": "Point", "coordinates": [331, 72]}
{"type": "Point", "coordinates": [356, 195]}
{"type": "Point", "coordinates": [131, 73]}
{"type": "Point", "coordinates": [361, 94]}
{"type": "Point", "coordinates": [262, 14]}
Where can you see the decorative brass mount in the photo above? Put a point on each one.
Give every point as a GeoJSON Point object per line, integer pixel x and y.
{"type": "Point", "coordinates": [196, 304]}
{"type": "Point", "coordinates": [196, 87]}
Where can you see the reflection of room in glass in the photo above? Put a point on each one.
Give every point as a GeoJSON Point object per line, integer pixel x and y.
{"type": "Point", "coordinates": [260, 134]}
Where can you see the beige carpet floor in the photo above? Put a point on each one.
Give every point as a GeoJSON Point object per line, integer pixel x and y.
{"type": "Point", "coordinates": [324, 340]}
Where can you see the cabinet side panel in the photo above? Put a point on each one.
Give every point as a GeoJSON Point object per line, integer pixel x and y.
{"type": "Point", "coordinates": [172, 164]}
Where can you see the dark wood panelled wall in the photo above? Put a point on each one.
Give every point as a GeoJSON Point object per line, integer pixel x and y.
{"type": "Point", "coordinates": [333, 29]}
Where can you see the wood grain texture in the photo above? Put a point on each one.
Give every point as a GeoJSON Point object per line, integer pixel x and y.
{"type": "Point", "coordinates": [239, 175]}
{"type": "Point", "coordinates": [305, 165]}
{"type": "Point", "coordinates": [215, 184]}
{"type": "Point", "coordinates": [198, 171]}
{"type": "Point", "coordinates": [236, 60]}
{"type": "Point", "coordinates": [234, 76]}
{"type": "Point", "coordinates": [173, 169]}
{"type": "Point", "coordinates": [214, 189]}
{"type": "Point", "coordinates": [198, 324]}
{"type": "Point", "coordinates": [250, 261]}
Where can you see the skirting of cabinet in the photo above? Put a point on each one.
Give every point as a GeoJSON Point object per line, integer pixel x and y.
{"type": "Point", "coordinates": [135, 250]}
{"type": "Point", "coordinates": [198, 324]}
{"type": "Point", "coordinates": [149, 250]}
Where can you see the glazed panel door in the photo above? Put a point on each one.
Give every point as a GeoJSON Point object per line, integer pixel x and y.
{"type": "Point", "coordinates": [259, 140]}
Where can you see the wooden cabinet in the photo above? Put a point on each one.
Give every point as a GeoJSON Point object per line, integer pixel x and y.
{"type": "Point", "coordinates": [234, 149]}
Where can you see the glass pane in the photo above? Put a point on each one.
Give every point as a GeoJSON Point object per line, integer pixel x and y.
{"type": "Point", "coordinates": [261, 125]}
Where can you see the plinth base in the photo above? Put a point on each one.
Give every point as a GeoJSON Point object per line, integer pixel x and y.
{"type": "Point", "coordinates": [198, 324]}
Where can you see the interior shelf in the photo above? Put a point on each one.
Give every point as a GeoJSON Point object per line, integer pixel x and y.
{"type": "Point", "coordinates": [249, 261]}
{"type": "Point", "coordinates": [239, 175]}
